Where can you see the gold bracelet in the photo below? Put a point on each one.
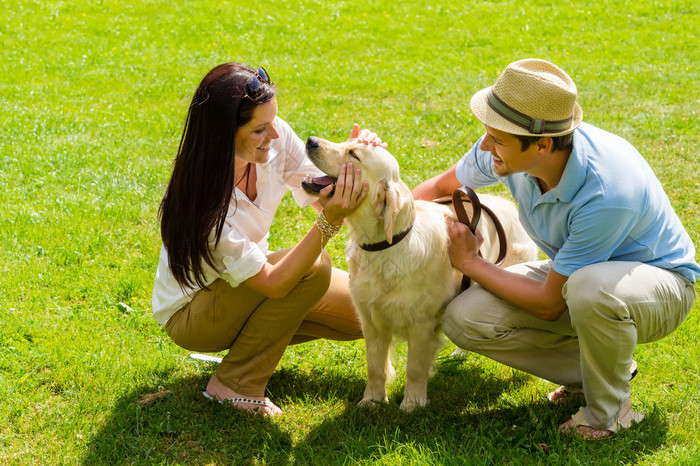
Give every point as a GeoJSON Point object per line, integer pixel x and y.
{"type": "Point", "coordinates": [327, 230]}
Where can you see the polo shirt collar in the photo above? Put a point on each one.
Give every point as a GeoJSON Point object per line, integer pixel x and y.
{"type": "Point", "coordinates": [574, 175]}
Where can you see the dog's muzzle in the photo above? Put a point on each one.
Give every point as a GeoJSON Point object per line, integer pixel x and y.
{"type": "Point", "coordinates": [312, 144]}
{"type": "Point", "coordinates": [315, 185]}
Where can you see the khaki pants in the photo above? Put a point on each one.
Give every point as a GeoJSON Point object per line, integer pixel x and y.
{"type": "Point", "coordinates": [612, 306]}
{"type": "Point", "coordinates": [256, 330]}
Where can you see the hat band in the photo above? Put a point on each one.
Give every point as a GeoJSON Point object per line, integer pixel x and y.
{"type": "Point", "coordinates": [534, 125]}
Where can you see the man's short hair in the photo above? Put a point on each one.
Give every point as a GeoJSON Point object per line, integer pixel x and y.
{"type": "Point", "coordinates": [563, 142]}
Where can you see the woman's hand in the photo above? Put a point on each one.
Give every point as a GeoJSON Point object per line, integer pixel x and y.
{"type": "Point", "coordinates": [464, 245]}
{"type": "Point", "coordinates": [350, 191]}
{"type": "Point", "coordinates": [366, 137]}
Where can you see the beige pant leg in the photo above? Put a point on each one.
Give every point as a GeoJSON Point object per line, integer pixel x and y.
{"type": "Point", "coordinates": [255, 329]}
{"type": "Point", "coordinates": [334, 316]}
{"type": "Point", "coordinates": [613, 307]}
{"type": "Point", "coordinates": [480, 322]}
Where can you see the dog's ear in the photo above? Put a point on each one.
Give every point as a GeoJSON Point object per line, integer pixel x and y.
{"type": "Point", "coordinates": [386, 206]}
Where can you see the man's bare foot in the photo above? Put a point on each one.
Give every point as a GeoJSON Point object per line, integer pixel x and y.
{"type": "Point", "coordinates": [254, 404]}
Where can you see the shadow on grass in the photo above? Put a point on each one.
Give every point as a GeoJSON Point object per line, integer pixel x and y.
{"type": "Point", "coordinates": [458, 427]}
{"type": "Point", "coordinates": [181, 426]}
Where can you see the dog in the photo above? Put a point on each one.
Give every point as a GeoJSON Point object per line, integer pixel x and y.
{"type": "Point", "coordinates": [402, 289]}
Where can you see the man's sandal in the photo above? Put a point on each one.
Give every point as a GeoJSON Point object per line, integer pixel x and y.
{"type": "Point", "coordinates": [578, 425]}
{"type": "Point", "coordinates": [567, 393]}
{"type": "Point", "coordinates": [259, 406]}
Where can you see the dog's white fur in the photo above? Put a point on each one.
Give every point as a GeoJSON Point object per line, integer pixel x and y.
{"type": "Point", "coordinates": [403, 290]}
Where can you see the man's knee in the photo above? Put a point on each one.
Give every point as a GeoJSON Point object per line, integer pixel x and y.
{"type": "Point", "coordinates": [589, 291]}
{"type": "Point", "coordinates": [463, 322]}
{"type": "Point", "coordinates": [452, 323]}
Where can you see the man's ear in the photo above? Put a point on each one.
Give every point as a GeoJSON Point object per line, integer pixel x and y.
{"type": "Point", "coordinates": [544, 144]}
{"type": "Point", "coordinates": [386, 207]}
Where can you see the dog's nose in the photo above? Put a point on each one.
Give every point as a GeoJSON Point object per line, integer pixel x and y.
{"type": "Point", "coordinates": [311, 143]}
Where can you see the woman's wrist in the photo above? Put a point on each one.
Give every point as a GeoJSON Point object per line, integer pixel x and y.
{"type": "Point", "coordinates": [333, 220]}
{"type": "Point", "coordinates": [326, 228]}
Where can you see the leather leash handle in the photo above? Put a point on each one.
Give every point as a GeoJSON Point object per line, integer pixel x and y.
{"type": "Point", "coordinates": [463, 217]}
{"type": "Point", "coordinates": [501, 233]}
{"type": "Point", "coordinates": [461, 212]}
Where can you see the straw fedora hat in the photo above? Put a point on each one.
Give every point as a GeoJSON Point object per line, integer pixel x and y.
{"type": "Point", "coordinates": [531, 97]}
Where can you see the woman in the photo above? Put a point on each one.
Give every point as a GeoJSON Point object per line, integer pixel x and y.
{"type": "Point", "coordinates": [217, 287]}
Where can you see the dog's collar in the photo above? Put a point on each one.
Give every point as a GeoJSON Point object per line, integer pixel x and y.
{"type": "Point", "coordinates": [385, 244]}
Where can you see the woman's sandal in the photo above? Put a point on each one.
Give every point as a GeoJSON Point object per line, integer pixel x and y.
{"type": "Point", "coordinates": [259, 406]}
{"type": "Point", "coordinates": [578, 425]}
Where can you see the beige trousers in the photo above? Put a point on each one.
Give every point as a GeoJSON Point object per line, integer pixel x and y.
{"type": "Point", "coordinates": [612, 306]}
{"type": "Point", "coordinates": [256, 330]}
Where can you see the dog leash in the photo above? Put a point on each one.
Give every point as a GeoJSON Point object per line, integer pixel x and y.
{"type": "Point", "coordinates": [457, 200]}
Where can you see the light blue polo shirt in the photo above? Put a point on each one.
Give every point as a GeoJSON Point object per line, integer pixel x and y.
{"type": "Point", "coordinates": [608, 206]}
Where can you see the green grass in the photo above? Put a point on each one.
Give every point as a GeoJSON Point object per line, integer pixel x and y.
{"type": "Point", "coordinates": [93, 98]}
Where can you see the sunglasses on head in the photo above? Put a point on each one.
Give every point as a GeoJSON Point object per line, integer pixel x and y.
{"type": "Point", "coordinates": [252, 87]}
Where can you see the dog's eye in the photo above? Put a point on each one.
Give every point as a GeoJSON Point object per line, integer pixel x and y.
{"type": "Point", "coordinates": [352, 154]}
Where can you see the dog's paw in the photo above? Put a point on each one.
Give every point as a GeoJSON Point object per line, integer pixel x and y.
{"type": "Point", "coordinates": [370, 403]}
{"type": "Point", "coordinates": [409, 405]}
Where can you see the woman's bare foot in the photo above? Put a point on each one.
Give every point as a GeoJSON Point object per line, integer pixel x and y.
{"type": "Point", "coordinates": [254, 404]}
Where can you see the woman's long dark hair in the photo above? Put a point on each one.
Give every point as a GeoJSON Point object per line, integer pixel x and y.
{"type": "Point", "coordinates": [201, 186]}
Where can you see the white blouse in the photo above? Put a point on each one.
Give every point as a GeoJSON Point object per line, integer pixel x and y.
{"type": "Point", "coordinates": [243, 247]}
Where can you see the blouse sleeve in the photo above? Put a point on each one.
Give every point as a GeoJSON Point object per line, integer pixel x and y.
{"type": "Point", "coordinates": [236, 257]}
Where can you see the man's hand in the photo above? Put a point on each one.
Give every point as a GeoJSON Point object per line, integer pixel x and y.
{"type": "Point", "coordinates": [464, 245]}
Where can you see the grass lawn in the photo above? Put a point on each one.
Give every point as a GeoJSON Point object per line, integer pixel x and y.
{"type": "Point", "coordinates": [93, 98]}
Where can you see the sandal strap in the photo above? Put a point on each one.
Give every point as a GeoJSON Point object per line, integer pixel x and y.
{"type": "Point", "coordinates": [245, 400]}
{"type": "Point", "coordinates": [238, 400]}
{"type": "Point", "coordinates": [625, 422]}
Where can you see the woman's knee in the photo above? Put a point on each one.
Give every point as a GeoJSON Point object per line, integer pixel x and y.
{"type": "Point", "coordinates": [311, 288]}
{"type": "Point", "coordinates": [321, 267]}
{"type": "Point", "coordinates": [319, 275]}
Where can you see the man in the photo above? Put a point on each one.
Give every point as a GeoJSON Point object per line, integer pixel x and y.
{"type": "Point", "coordinates": [621, 270]}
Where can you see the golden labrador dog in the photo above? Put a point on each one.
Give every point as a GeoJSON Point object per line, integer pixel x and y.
{"type": "Point", "coordinates": [401, 278]}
